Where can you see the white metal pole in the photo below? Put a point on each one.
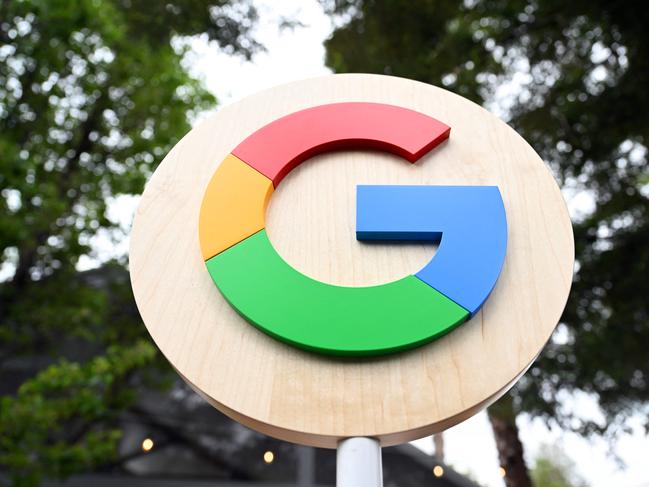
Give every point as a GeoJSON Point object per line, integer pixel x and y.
{"type": "Point", "coordinates": [358, 463]}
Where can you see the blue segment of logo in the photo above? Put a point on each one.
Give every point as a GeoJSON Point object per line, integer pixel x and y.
{"type": "Point", "coordinates": [468, 221]}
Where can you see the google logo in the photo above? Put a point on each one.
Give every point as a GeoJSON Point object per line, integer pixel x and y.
{"type": "Point", "coordinates": [469, 222]}
{"type": "Point", "coordinates": [433, 340]}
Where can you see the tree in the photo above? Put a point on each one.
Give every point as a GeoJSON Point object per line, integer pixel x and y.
{"type": "Point", "coordinates": [552, 468]}
{"type": "Point", "coordinates": [575, 76]}
{"type": "Point", "coordinates": [92, 95]}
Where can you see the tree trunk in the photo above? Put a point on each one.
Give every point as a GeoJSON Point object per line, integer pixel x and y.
{"type": "Point", "coordinates": [510, 449]}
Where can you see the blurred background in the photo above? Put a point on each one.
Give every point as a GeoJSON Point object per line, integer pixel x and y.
{"type": "Point", "coordinates": [93, 93]}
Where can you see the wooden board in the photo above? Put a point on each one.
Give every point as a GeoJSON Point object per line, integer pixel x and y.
{"type": "Point", "coordinates": [307, 398]}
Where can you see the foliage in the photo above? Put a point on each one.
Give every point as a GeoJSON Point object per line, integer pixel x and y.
{"type": "Point", "coordinates": [571, 78]}
{"type": "Point", "coordinates": [552, 468]}
{"type": "Point", "coordinates": [93, 93]}
{"type": "Point", "coordinates": [64, 401]}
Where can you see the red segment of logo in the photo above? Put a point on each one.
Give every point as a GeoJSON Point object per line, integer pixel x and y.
{"type": "Point", "coordinates": [278, 147]}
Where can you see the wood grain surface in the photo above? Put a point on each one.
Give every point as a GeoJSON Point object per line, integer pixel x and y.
{"type": "Point", "coordinates": [315, 400]}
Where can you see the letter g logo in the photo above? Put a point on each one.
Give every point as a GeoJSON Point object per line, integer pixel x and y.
{"type": "Point", "coordinates": [468, 221]}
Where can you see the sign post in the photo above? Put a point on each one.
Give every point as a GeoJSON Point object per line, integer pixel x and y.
{"type": "Point", "coordinates": [283, 258]}
{"type": "Point", "coordinates": [358, 463]}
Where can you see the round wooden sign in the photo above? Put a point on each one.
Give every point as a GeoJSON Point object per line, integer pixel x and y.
{"type": "Point", "coordinates": [302, 395]}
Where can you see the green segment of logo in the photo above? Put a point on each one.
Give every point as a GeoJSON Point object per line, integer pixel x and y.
{"type": "Point", "coordinates": [335, 320]}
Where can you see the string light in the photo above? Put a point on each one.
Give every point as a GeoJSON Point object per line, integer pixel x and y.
{"type": "Point", "coordinates": [438, 471]}
{"type": "Point", "coordinates": [269, 456]}
{"type": "Point", "coordinates": [147, 444]}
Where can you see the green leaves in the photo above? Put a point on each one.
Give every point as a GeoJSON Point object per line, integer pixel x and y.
{"type": "Point", "coordinates": [62, 420]}
{"type": "Point", "coordinates": [553, 468]}
{"type": "Point", "coordinates": [92, 96]}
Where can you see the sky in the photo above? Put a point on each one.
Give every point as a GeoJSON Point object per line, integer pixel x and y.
{"type": "Point", "coordinates": [298, 53]}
